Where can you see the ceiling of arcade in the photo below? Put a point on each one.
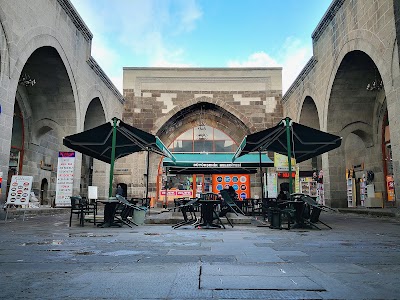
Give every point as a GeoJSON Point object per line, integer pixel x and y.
{"type": "Point", "coordinates": [210, 114]}
{"type": "Point", "coordinates": [350, 102]}
{"type": "Point", "coordinates": [51, 96]}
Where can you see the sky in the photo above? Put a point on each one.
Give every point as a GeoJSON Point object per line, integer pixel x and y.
{"type": "Point", "coordinates": [202, 33]}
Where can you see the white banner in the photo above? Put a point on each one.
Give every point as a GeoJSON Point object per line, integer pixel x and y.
{"type": "Point", "coordinates": [65, 178]}
{"type": "Point", "coordinates": [20, 190]}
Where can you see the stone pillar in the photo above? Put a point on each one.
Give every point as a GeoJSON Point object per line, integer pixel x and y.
{"type": "Point", "coordinates": [335, 178]}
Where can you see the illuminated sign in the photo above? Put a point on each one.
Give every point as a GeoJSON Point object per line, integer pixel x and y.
{"type": "Point", "coordinates": [286, 174]}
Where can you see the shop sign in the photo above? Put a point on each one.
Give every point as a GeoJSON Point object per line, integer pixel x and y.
{"type": "Point", "coordinates": [44, 166]}
{"type": "Point", "coordinates": [173, 194]}
{"type": "Point", "coordinates": [217, 165]}
{"type": "Point", "coordinates": [65, 178]}
{"type": "Point", "coordinates": [390, 187]}
{"type": "Point", "coordinates": [286, 174]}
{"type": "Point", "coordinates": [118, 171]}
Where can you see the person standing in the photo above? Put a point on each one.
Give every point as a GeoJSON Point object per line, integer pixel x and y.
{"type": "Point", "coordinates": [120, 190]}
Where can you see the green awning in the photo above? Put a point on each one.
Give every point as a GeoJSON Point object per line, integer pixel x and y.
{"type": "Point", "coordinates": [212, 163]}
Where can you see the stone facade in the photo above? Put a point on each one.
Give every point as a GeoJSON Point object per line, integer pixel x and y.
{"type": "Point", "coordinates": [49, 42]}
{"type": "Point", "coordinates": [166, 102]}
{"type": "Point", "coordinates": [354, 44]}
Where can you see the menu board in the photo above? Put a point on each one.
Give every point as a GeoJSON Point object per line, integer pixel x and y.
{"type": "Point", "coordinates": [272, 183]}
{"type": "Point", "coordinates": [239, 182]}
{"type": "Point", "coordinates": [20, 190]}
{"type": "Point", "coordinates": [65, 178]}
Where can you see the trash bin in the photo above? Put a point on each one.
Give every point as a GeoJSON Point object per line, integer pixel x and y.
{"type": "Point", "coordinates": [276, 219]}
{"type": "Point", "coordinates": [139, 215]}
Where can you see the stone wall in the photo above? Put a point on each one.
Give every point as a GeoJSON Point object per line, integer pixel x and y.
{"type": "Point", "coordinates": [354, 43]}
{"type": "Point", "coordinates": [166, 102]}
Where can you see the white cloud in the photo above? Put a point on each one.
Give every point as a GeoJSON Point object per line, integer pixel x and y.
{"type": "Point", "coordinates": [136, 28]}
{"type": "Point", "coordinates": [292, 58]}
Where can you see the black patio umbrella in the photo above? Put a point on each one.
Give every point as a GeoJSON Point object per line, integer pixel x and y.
{"type": "Point", "coordinates": [111, 141]}
{"type": "Point", "coordinates": [291, 139]}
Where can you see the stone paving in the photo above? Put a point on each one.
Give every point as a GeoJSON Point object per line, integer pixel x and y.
{"type": "Point", "coordinates": [42, 258]}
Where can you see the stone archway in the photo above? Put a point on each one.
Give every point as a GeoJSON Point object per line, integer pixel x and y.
{"type": "Point", "coordinates": [93, 172]}
{"type": "Point", "coordinates": [309, 117]}
{"type": "Point", "coordinates": [48, 112]}
{"type": "Point", "coordinates": [353, 114]}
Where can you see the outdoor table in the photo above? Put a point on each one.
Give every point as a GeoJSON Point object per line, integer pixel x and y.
{"type": "Point", "coordinates": [207, 213]}
{"type": "Point", "coordinates": [109, 212]}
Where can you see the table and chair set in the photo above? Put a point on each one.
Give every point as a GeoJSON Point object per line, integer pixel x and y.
{"type": "Point", "coordinates": [117, 211]}
{"type": "Point", "coordinates": [299, 211]}
{"type": "Point", "coordinates": [206, 211]}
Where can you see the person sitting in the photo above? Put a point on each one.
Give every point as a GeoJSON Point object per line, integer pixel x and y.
{"type": "Point", "coordinates": [282, 196]}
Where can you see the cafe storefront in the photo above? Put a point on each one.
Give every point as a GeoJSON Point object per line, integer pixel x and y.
{"type": "Point", "coordinates": [195, 173]}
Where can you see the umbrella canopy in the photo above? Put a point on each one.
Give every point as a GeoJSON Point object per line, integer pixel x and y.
{"type": "Point", "coordinates": [291, 139]}
{"type": "Point", "coordinates": [111, 141]}
{"type": "Point", "coordinates": [97, 142]}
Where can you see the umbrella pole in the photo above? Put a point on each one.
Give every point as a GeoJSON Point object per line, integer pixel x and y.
{"type": "Point", "coordinates": [261, 174]}
{"type": "Point", "coordinates": [114, 141]}
{"type": "Point", "coordinates": [147, 177]}
{"type": "Point", "coordinates": [289, 154]}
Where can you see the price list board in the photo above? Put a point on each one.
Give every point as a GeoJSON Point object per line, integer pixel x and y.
{"type": "Point", "coordinates": [20, 190]}
{"type": "Point", "coordinates": [65, 178]}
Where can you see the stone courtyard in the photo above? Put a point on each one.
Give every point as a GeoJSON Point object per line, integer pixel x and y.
{"type": "Point", "coordinates": [43, 258]}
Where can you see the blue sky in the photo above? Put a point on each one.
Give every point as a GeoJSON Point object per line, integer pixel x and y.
{"type": "Point", "coordinates": [202, 33]}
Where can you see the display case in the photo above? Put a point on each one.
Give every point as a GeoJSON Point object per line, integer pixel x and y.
{"type": "Point", "coordinates": [363, 192]}
{"type": "Point", "coordinates": [351, 192]}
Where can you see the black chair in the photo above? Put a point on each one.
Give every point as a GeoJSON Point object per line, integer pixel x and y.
{"type": "Point", "coordinates": [89, 210]}
{"type": "Point", "coordinates": [188, 213]}
{"type": "Point", "coordinates": [125, 211]}
{"type": "Point", "coordinates": [315, 212]}
{"type": "Point", "coordinates": [229, 206]}
{"type": "Point", "coordinates": [230, 202]}
{"type": "Point", "coordinates": [178, 202]}
{"type": "Point", "coordinates": [77, 209]}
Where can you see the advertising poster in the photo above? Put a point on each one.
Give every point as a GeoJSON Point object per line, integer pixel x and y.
{"type": "Point", "coordinates": [281, 162]}
{"type": "Point", "coordinates": [239, 182]}
{"type": "Point", "coordinates": [20, 190]}
{"type": "Point", "coordinates": [65, 178]}
{"type": "Point", "coordinates": [390, 187]}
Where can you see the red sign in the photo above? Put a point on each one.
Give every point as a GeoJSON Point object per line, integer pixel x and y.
{"type": "Point", "coordinates": [172, 194]}
{"type": "Point", "coordinates": [286, 174]}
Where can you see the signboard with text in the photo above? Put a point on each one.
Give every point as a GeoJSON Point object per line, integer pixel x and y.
{"type": "Point", "coordinates": [65, 178]}
{"type": "Point", "coordinates": [20, 190]}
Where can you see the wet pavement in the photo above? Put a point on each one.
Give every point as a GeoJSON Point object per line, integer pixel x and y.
{"type": "Point", "coordinates": [42, 258]}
